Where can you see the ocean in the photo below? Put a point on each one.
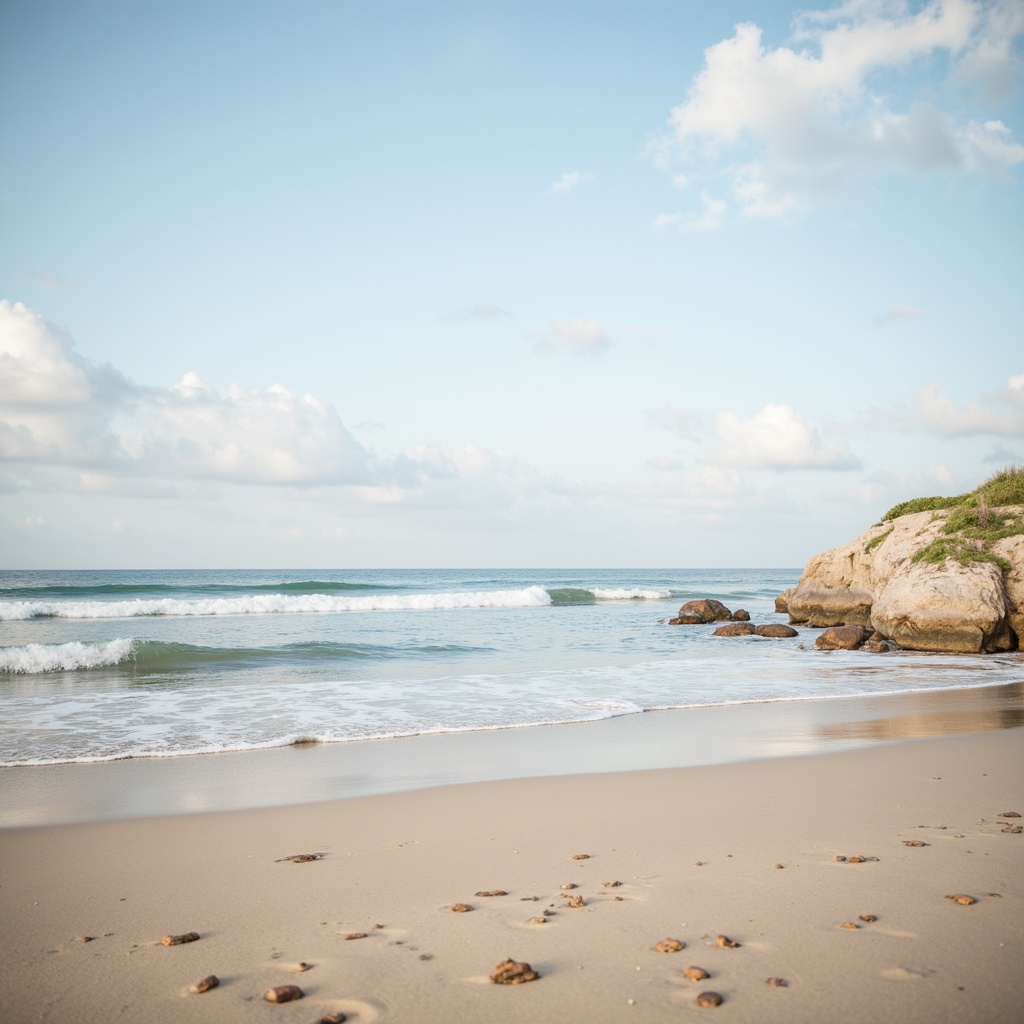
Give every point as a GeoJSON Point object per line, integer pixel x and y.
{"type": "Point", "coordinates": [100, 665]}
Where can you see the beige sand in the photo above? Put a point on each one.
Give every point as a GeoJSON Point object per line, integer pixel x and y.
{"type": "Point", "coordinates": [399, 861]}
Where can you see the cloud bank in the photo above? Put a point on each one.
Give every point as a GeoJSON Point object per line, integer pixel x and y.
{"type": "Point", "coordinates": [59, 409]}
{"type": "Point", "coordinates": [790, 127]}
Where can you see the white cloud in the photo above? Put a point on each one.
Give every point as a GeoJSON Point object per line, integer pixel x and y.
{"type": "Point", "coordinates": [569, 181]}
{"type": "Point", "coordinates": [578, 335]}
{"type": "Point", "coordinates": [476, 311]}
{"type": "Point", "coordinates": [791, 127]}
{"type": "Point", "coordinates": [58, 409]}
{"type": "Point", "coordinates": [775, 438]}
{"type": "Point", "coordinates": [1000, 413]}
{"type": "Point", "coordinates": [711, 218]}
{"type": "Point", "coordinates": [894, 311]}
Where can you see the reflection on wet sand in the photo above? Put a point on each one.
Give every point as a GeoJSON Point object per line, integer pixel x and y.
{"type": "Point", "coordinates": [979, 710]}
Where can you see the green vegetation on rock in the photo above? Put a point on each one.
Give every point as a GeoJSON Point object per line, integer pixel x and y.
{"type": "Point", "coordinates": [978, 519]}
{"type": "Point", "coordinates": [1004, 488]}
{"type": "Point", "coordinates": [875, 541]}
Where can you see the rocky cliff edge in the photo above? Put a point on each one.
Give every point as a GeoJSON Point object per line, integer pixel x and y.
{"type": "Point", "coordinates": [894, 578]}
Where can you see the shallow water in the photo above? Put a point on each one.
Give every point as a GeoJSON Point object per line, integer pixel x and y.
{"type": "Point", "coordinates": [104, 665]}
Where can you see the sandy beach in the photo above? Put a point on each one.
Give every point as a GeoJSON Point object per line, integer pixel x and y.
{"type": "Point", "coordinates": [750, 851]}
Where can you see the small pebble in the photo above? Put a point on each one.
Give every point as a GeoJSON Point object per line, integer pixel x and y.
{"type": "Point", "coordinates": [333, 1018]}
{"type": "Point", "coordinates": [283, 994]}
{"type": "Point", "coordinates": [581, 856]}
{"type": "Point", "coordinates": [725, 942]}
{"type": "Point", "coordinates": [210, 981]}
{"type": "Point", "coordinates": [776, 982]}
{"type": "Point", "coordinates": [178, 940]}
{"type": "Point", "coordinates": [964, 901]}
{"type": "Point", "coordinates": [616, 899]}
{"type": "Point", "coordinates": [528, 899]}
{"type": "Point", "coordinates": [1013, 830]}
{"type": "Point", "coordinates": [698, 863]}
{"type": "Point", "coordinates": [709, 999]}
{"type": "Point", "coordinates": [850, 926]}
{"type": "Point", "coordinates": [461, 908]}
{"type": "Point", "coordinates": [670, 946]}
{"type": "Point", "coordinates": [695, 973]}
{"type": "Point", "coordinates": [840, 859]}
{"type": "Point", "coordinates": [869, 918]}
{"type": "Point", "coordinates": [300, 858]}
{"type": "Point", "coordinates": [914, 842]}
{"type": "Point", "coordinates": [576, 901]}
{"type": "Point", "coordinates": [611, 885]}
{"type": "Point", "coordinates": [996, 894]}
{"type": "Point", "coordinates": [491, 892]}
{"type": "Point", "coordinates": [301, 967]}
{"type": "Point", "coordinates": [349, 936]}
{"type": "Point", "coordinates": [84, 938]}
{"type": "Point", "coordinates": [538, 920]}
{"type": "Point", "coordinates": [569, 885]}
{"type": "Point", "coordinates": [779, 867]}
{"type": "Point", "coordinates": [509, 972]}
{"type": "Point", "coordinates": [1009, 814]}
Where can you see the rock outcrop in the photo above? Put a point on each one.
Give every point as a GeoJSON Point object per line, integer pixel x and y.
{"type": "Point", "coordinates": [950, 605]}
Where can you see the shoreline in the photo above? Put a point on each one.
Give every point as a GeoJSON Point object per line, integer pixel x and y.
{"type": "Point", "coordinates": [38, 795]}
{"type": "Point", "coordinates": [749, 850]}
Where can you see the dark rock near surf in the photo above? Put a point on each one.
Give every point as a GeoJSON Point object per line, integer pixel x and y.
{"type": "Point", "coordinates": [741, 615]}
{"type": "Point", "coordinates": [735, 629]}
{"type": "Point", "coordinates": [689, 619]}
{"type": "Point", "coordinates": [776, 630]}
{"type": "Point", "coordinates": [842, 638]}
{"type": "Point", "coordinates": [707, 608]}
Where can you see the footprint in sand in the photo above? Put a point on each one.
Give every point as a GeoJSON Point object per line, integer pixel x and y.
{"type": "Point", "coordinates": [903, 974]}
{"type": "Point", "coordinates": [354, 1011]}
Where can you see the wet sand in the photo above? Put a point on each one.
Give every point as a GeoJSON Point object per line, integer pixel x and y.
{"type": "Point", "coordinates": [745, 850]}
{"type": "Point", "coordinates": [144, 787]}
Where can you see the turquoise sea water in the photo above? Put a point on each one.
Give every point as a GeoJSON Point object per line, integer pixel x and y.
{"type": "Point", "coordinates": [102, 665]}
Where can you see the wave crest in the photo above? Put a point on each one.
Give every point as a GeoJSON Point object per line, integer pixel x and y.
{"type": "Point", "coordinates": [35, 659]}
{"type": "Point", "coordinates": [271, 604]}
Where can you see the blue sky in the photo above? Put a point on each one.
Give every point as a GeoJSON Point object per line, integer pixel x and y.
{"type": "Point", "coordinates": [360, 284]}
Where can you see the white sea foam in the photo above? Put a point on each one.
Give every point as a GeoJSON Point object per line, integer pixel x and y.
{"type": "Point", "coordinates": [630, 594]}
{"type": "Point", "coordinates": [38, 658]}
{"type": "Point", "coordinates": [274, 604]}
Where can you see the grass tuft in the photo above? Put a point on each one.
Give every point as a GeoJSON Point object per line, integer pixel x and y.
{"type": "Point", "coordinates": [975, 522]}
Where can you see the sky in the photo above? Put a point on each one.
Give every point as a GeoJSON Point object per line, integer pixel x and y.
{"type": "Point", "coordinates": [377, 283]}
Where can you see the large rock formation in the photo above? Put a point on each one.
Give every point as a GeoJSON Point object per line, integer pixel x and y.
{"type": "Point", "coordinates": [950, 605]}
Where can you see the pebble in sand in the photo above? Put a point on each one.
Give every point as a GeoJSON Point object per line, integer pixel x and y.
{"type": "Point", "coordinates": [491, 892]}
{"type": "Point", "coordinates": [300, 858]}
{"type": "Point", "coordinates": [510, 972]}
{"type": "Point", "coordinates": [725, 942]}
{"type": "Point", "coordinates": [670, 946]}
{"type": "Point", "coordinates": [179, 940]}
{"type": "Point", "coordinates": [695, 973]}
{"type": "Point", "coordinates": [460, 908]}
{"type": "Point", "coordinates": [210, 981]}
{"type": "Point", "coordinates": [962, 899]}
{"type": "Point", "coordinates": [283, 994]}
{"type": "Point", "coordinates": [776, 982]}
{"type": "Point", "coordinates": [709, 999]}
